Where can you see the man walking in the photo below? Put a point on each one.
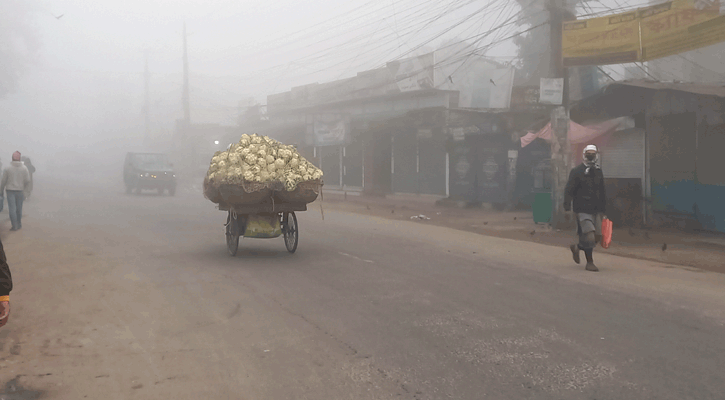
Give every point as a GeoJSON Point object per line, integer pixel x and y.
{"type": "Point", "coordinates": [585, 189]}
{"type": "Point", "coordinates": [15, 181]}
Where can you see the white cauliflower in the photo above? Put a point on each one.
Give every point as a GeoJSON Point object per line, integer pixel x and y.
{"type": "Point", "coordinates": [234, 159]}
{"type": "Point", "coordinates": [261, 159]}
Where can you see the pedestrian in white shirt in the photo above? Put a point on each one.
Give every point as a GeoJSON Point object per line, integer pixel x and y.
{"type": "Point", "coordinates": [15, 181]}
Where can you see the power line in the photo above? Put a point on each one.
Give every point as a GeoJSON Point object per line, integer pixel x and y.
{"type": "Point", "coordinates": [383, 45]}
{"type": "Point", "coordinates": [319, 55]}
{"type": "Point", "coordinates": [376, 12]}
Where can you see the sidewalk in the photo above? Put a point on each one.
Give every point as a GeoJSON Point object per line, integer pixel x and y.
{"type": "Point", "coordinates": [702, 251]}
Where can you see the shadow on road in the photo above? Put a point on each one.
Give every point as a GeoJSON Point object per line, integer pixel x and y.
{"type": "Point", "coordinates": [13, 390]}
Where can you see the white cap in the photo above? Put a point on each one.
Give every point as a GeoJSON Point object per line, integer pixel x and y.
{"type": "Point", "coordinates": [591, 147]}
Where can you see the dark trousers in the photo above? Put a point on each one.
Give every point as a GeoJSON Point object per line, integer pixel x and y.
{"type": "Point", "coordinates": [15, 206]}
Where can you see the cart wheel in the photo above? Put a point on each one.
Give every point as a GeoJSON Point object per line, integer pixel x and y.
{"type": "Point", "coordinates": [291, 231]}
{"type": "Point", "coordinates": [232, 234]}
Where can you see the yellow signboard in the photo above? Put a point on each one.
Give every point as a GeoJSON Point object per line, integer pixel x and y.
{"type": "Point", "coordinates": [680, 25]}
{"type": "Point", "coordinates": [606, 40]}
{"type": "Point", "coordinates": [645, 34]}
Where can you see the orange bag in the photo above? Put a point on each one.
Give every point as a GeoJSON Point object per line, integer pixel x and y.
{"type": "Point", "coordinates": [607, 228]}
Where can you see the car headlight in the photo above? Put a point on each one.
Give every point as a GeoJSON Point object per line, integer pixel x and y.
{"type": "Point", "coordinates": [147, 174]}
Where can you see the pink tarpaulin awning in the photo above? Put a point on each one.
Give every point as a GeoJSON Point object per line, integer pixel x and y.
{"type": "Point", "coordinates": [577, 133]}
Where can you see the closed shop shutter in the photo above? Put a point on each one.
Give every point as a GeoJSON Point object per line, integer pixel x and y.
{"type": "Point", "coordinates": [623, 155]}
{"type": "Point", "coordinates": [405, 162]}
{"type": "Point", "coordinates": [352, 158]}
{"type": "Point", "coordinates": [431, 162]}
{"type": "Point", "coordinates": [330, 165]}
{"type": "Point", "coordinates": [623, 164]}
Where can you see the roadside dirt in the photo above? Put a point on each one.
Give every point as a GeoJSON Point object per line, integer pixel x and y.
{"type": "Point", "coordinates": [698, 251]}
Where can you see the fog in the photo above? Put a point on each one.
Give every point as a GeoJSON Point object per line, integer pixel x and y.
{"type": "Point", "coordinates": [73, 75]}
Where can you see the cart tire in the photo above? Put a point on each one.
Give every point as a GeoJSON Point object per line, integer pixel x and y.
{"type": "Point", "coordinates": [291, 231]}
{"type": "Point", "coordinates": [232, 234]}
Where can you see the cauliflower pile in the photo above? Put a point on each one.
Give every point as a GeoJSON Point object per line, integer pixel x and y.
{"type": "Point", "coordinates": [262, 160]}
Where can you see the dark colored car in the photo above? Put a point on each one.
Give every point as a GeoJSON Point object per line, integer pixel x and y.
{"type": "Point", "coordinates": [149, 171]}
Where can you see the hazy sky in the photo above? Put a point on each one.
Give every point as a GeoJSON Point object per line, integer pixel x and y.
{"type": "Point", "coordinates": [86, 87]}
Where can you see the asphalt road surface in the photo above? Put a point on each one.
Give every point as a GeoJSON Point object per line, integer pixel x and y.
{"type": "Point", "coordinates": [134, 296]}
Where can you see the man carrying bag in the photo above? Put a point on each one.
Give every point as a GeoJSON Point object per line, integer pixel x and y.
{"type": "Point", "coordinates": [585, 189]}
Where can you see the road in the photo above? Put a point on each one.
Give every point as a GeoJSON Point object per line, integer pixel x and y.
{"type": "Point", "coordinates": [121, 296]}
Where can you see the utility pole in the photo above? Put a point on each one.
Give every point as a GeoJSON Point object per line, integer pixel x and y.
{"type": "Point", "coordinates": [185, 96]}
{"type": "Point", "coordinates": [560, 146]}
{"type": "Point", "coordinates": [146, 108]}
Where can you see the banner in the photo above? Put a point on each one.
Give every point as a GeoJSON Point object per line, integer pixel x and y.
{"type": "Point", "coordinates": [330, 131]}
{"type": "Point", "coordinates": [645, 34]}
{"type": "Point", "coordinates": [416, 73]}
{"type": "Point", "coordinates": [681, 25]}
{"type": "Point", "coordinates": [600, 41]}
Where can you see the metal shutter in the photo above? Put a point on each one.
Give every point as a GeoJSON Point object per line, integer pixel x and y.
{"type": "Point", "coordinates": [623, 155]}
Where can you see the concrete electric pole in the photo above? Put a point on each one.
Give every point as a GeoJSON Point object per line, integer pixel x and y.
{"type": "Point", "coordinates": [560, 146]}
{"type": "Point", "coordinates": [185, 95]}
{"type": "Point", "coordinates": [146, 107]}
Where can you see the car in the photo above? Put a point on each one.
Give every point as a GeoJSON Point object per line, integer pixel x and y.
{"type": "Point", "coordinates": [149, 171]}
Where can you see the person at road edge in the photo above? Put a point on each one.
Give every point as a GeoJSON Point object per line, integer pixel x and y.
{"type": "Point", "coordinates": [6, 285]}
{"type": "Point", "coordinates": [15, 181]}
{"type": "Point", "coordinates": [585, 189]}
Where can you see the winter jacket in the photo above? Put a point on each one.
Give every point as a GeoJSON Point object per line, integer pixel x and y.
{"type": "Point", "coordinates": [6, 280]}
{"type": "Point", "coordinates": [15, 177]}
{"type": "Point", "coordinates": [585, 191]}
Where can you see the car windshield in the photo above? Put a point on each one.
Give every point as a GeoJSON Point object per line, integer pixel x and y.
{"type": "Point", "coordinates": [151, 161]}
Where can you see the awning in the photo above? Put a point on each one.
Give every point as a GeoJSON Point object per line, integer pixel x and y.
{"type": "Point", "coordinates": [577, 133]}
